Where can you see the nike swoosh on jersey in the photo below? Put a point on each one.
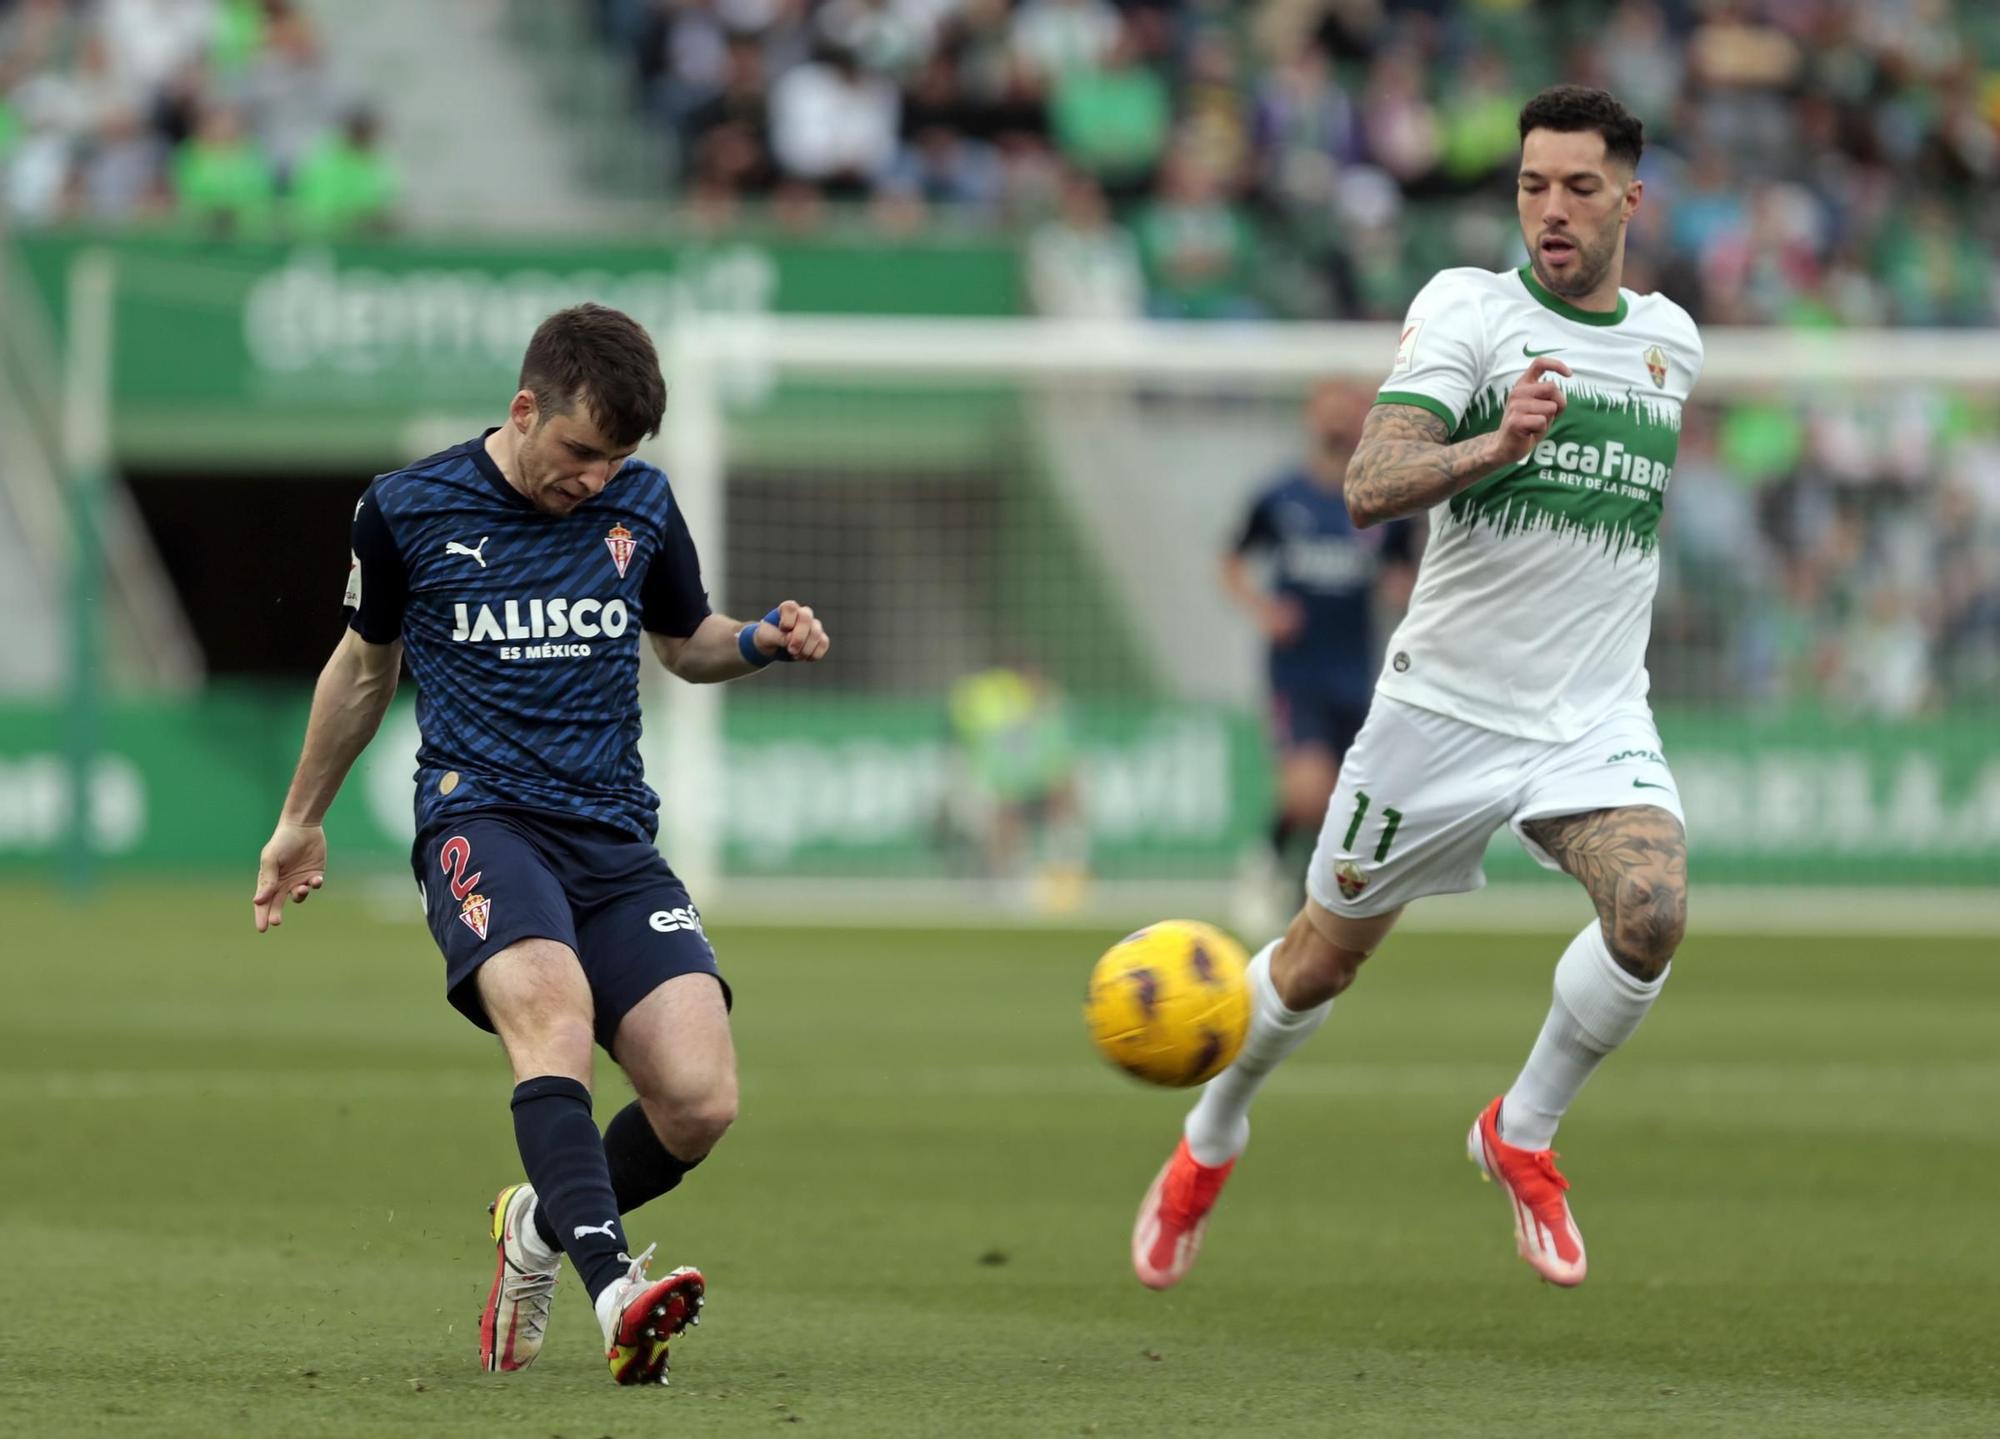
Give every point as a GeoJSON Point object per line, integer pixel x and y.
{"type": "Point", "coordinates": [1536, 354]}
{"type": "Point", "coordinates": [1641, 784]}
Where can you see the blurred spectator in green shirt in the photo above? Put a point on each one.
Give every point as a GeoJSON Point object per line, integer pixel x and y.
{"type": "Point", "coordinates": [222, 181]}
{"type": "Point", "coordinates": [1481, 116]}
{"type": "Point", "coordinates": [1112, 123]}
{"type": "Point", "coordinates": [238, 36]}
{"type": "Point", "coordinates": [345, 184]}
{"type": "Point", "coordinates": [1198, 248]}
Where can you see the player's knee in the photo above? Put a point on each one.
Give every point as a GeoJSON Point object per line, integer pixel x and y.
{"type": "Point", "coordinates": [694, 1124]}
{"type": "Point", "coordinates": [1305, 808]}
{"type": "Point", "coordinates": [1310, 967]}
{"type": "Point", "coordinates": [1307, 786]}
{"type": "Point", "coordinates": [709, 1120]}
{"type": "Point", "coordinates": [555, 1043]}
{"type": "Point", "coordinates": [1646, 932]}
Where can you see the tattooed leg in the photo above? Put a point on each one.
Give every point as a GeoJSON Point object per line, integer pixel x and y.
{"type": "Point", "coordinates": [1633, 862]}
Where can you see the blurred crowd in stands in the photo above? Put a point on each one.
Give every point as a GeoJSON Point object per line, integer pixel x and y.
{"type": "Point", "coordinates": [221, 116]}
{"type": "Point", "coordinates": [1811, 161]}
{"type": "Point", "coordinates": [1842, 550]}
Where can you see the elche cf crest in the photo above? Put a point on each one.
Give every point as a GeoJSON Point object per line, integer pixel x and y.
{"type": "Point", "coordinates": [475, 911]}
{"type": "Point", "coordinates": [1656, 366]}
{"type": "Point", "coordinates": [619, 542]}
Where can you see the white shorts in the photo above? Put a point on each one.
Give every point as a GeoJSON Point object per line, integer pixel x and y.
{"type": "Point", "coordinates": [1420, 794]}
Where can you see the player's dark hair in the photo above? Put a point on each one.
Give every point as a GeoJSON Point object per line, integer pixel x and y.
{"type": "Point", "coordinates": [604, 358]}
{"type": "Point", "coordinates": [1570, 108]}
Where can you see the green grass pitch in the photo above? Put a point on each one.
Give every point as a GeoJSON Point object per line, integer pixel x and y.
{"type": "Point", "coordinates": [242, 1184]}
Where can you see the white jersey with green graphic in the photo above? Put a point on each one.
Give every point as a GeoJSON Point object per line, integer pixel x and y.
{"type": "Point", "coordinates": [1534, 599]}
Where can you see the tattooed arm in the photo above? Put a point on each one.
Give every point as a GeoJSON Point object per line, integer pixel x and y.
{"type": "Point", "coordinates": [1403, 464]}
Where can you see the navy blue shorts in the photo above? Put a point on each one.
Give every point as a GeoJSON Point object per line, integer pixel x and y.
{"type": "Point", "coordinates": [1302, 718]}
{"type": "Point", "coordinates": [494, 877]}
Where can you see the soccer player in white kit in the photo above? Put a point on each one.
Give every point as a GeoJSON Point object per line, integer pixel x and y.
{"type": "Point", "coordinates": [1535, 414]}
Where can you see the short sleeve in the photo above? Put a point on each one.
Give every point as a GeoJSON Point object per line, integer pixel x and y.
{"type": "Point", "coordinates": [1259, 531]}
{"type": "Point", "coordinates": [1440, 360]}
{"type": "Point", "coordinates": [378, 585]}
{"type": "Point", "coordinates": [671, 599]}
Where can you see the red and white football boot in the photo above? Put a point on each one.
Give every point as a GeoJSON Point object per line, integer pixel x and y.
{"type": "Point", "coordinates": [1545, 1232]}
{"type": "Point", "coordinates": [1173, 1215]}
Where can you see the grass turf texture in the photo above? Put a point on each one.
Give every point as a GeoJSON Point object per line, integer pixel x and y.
{"type": "Point", "coordinates": [244, 1181]}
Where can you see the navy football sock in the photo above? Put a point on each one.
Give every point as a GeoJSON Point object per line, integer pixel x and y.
{"type": "Point", "coordinates": [642, 1168]}
{"type": "Point", "coordinates": [564, 1158]}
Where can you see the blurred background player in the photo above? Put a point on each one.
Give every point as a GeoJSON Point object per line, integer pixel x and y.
{"type": "Point", "coordinates": [1516, 691]}
{"type": "Point", "coordinates": [515, 572]}
{"type": "Point", "coordinates": [1320, 607]}
{"type": "Point", "coordinates": [1020, 764]}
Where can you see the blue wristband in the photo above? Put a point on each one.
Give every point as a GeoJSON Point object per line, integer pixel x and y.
{"type": "Point", "coordinates": [746, 641]}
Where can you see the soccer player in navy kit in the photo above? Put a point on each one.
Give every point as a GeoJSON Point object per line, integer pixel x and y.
{"type": "Point", "coordinates": [1318, 610]}
{"type": "Point", "coordinates": [515, 573]}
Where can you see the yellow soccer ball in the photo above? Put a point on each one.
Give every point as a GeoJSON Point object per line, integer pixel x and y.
{"type": "Point", "coordinates": [1171, 1003]}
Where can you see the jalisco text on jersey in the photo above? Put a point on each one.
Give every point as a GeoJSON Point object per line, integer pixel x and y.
{"type": "Point", "coordinates": [543, 619]}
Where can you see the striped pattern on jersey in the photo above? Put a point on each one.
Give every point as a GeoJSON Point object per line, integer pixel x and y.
{"type": "Point", "coordinates": [522, 630]}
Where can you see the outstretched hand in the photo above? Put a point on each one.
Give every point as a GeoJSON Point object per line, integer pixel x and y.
{"type": "Point", "coordinates": [292, 865]}
{"type": "Point", "coordinates": [798, 634]}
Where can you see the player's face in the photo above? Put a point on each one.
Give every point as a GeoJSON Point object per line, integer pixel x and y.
{"type": "Point", "coordinates": [564, 459]}
{"type": "Point", "coordinates": [1574, 203]}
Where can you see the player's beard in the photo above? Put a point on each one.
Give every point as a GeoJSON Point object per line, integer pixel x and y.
{"type": "Point", "coordinates": [1593, 263]}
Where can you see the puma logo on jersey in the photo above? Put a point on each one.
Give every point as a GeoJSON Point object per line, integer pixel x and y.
{"type": "Point", "coordinates": [453, 547]}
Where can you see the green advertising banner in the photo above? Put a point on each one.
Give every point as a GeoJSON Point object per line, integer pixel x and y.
{"type": "Point", "coordinates": [262, 350]}
{"type": "Point", "coordinates": [829, 786]}
{"type": "Point", "coordinates": [864, 787]}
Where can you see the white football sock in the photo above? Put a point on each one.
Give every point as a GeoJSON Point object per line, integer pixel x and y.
{"type": "Point", "coordinates": [1596, 1007]}
{"type": "Point", "coordinates": [1218, 1126]}
{"type": "Point", "coordinates": [607, 1306]}
{"type": "Point", "coordinates": [537, 1248]}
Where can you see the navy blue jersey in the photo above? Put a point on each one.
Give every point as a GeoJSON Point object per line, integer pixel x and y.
{"type": "Point", "coordinates": [522, 630]}
{"type": "Point", "coordinates": [1320, 560]}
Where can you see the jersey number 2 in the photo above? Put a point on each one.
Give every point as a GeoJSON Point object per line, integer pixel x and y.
{"type": "Point", "coordinates": [452, 859]}
{"type": "Point", "coordinates": [1392, 820]}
